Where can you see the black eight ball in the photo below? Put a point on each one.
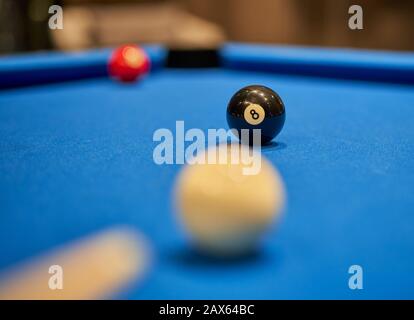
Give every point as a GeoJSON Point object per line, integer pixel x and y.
{"type": "Point", "coordinates": [256, 107]}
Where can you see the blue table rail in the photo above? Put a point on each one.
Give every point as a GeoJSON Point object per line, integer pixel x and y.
{"type": "Point", "coordinates": [393, 67]}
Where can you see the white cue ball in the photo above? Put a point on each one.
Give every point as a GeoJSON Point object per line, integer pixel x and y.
{"type": "Point", "coordinates": [225, 211]}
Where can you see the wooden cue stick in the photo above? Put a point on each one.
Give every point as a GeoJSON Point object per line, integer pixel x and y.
{"type": "Point", "coordinates": [93, 267]}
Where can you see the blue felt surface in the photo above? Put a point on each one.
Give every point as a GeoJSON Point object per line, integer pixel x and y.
{"type": "Point", "coordinates": [77, 157]}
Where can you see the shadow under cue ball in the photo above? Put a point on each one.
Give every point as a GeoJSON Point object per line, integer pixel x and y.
{"type": "Point", "coordinates": [224, 211]}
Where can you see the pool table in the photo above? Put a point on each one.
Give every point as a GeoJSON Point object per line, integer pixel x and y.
{"type": "Point", "coordinates": [76, 156]}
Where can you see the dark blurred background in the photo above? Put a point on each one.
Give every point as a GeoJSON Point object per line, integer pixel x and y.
{"type": "Point", "coordinates": [204, 23]}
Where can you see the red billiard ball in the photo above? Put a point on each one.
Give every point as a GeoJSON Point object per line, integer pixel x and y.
{"type": "Point", "coordinates": [128, 63]}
